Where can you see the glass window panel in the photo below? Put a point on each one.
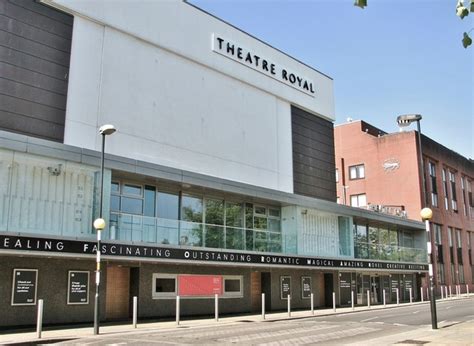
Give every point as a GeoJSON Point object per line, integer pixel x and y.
{"type": "Point", "coordinates": [149, 209]}
{"type": "Point", "coordinates": [115, 203]}
{"type": "Point", "coordinates": [234, 238]}
{"type": "Point", "coordinates": [191, 209]}
{"type": "Point", "coordinates": [132, 190]}
{"type": "Point", "coordinates": [131, 205]}
{"type": "Point", "coordinates": [231, 285]}
{"type": "Point", "coordinates": [234, 214]}
{"type": "Point", "coordinates": [165, 285]}
{"type": "Point", "coordinates": [214, 236]}
{"type": "Point", "coordinates": [249, 215]}
{"type": "Point", "coordinates": [260, 210]}
{"type": "Point", "coordinates": [260, 222]}
{"type": "Point", "coordinates": [167, 205]}
{"type": "Point", "coordinates": [214, 212]}
{"type": "Point", "coordinates": [274, 212]}
{"type": "Point", "coordinates": [373, 235]}
{"type": "Point", "coordinates": [115, 187]}
{"type": "Point", "coordinates": [274, 225]}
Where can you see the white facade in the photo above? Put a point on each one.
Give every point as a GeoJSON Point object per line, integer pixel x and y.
{"type": "Point", "coordinates": [150, 69]}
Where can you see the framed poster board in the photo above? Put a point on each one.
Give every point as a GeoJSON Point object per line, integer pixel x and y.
{"type": "Point", "coordinates": [306, 287]}
{"type": "Point", "coordinates": [78, 287]}
{"type": "Point", "coordinates": [199, 285]}
{"type": "Point", "coordinates": [25, 286]}
{"type": "Point", "coordinates": [285, 287]}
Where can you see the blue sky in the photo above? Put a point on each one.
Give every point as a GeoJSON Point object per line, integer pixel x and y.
{"type": "Point", "coordinates": [393, 57]}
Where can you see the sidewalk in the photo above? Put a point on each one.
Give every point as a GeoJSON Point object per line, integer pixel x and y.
{"type": "Point", "coordinates": [456, 334]}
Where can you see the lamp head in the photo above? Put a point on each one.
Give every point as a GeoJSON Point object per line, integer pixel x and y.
{"type": "Point", "coordinates": [426, 214]}
{"type": "Point", "coordinates": [407, 119]}
{"type": "Point", "coordinates": [99, 224]}
{"type": "Point", "coordinates": [107, 129]}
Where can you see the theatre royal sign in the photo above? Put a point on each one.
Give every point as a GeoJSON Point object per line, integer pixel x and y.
{"type": "Point", "coordinates": [262, 64]}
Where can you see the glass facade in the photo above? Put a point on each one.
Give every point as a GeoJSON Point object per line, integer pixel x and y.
{"type": "Point", "coordinates": [379, 243]}
{"type": "Point", "coordinates": [55, 197]}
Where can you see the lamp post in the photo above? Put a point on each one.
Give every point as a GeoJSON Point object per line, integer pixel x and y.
{"type": "Point", "coordinates": [426, 213]}
{"type": "Point", "coordinates": [99, 225]}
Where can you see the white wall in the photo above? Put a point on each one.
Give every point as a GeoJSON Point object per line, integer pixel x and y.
{"type": "Point", "coordinates": [148, 68]}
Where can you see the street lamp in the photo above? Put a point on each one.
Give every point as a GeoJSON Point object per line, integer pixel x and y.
{"type": "Point", "coordinates": [99, 224]}
{"type": "Point", "coordinates": [426, 213]}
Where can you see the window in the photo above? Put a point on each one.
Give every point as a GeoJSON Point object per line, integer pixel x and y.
{"type": "Point", "coordinates": [469, 198]}
{"type": "Point", "coordinates": [167, 205]}
{"type": "Point", "coordinates": [164, 286]}
{"type": "Point", "coordinates": [358, 200]}
{"type": "Point", "coordinates": [126, 198]}
{"type": "Point", "coordinates": [445, 190]}
{"type": "Point", "coordinates": [434, 189]}
{"type": "Point", "coordinates": [440, 273]}
{"type": "Point", "coordinates": [233, 286]}
{"type": "Point", "coordinates": [464, 199]}
{"type": "Point", "coordinates": [191, 209]}
{"type": "Point", "coordinates": [356, 172]}
{"type": "Point", "coordinates": [452, 180]}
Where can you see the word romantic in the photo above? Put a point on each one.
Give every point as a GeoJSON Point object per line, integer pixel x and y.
{"type": "Point", "coordinates": [263, 65]}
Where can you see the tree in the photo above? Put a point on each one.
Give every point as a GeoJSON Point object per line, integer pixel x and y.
{"type": "Point", "coordinates": [461, 11]}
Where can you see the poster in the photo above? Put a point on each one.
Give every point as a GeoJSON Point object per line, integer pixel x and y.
{"type": "Point", "coordinates": [78, 287]}
{"type": "Point", "coordinates": [306, 288]}
{"type": "Point", "coordinates": [285, 287]}
{"type": "Point", "coordinates": [199, 285]}
{"type": "Point", "coordinates": [25, 283]}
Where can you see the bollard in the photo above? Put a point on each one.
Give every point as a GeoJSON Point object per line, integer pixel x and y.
{"type": "Point", "coordinates": [459, 290]}
{"type": "Point", "coordinates": [135, 309]}
{"type": "Point", "coordinates": [216, 307]}
{"type": "Point", "coordinates": [368, 299]}
{"type": "Point", "coordinates": [450, 292]}
{"type": "Point", "coordinates": [334, 301]}
{"type": "Point", "coordinates": [467, 290]}
{"type": "Point", "coordinates": [263, 306]}
{"type": "Point", "coordinates": [39, 321]}
{"type": "Point", "coordinates": [352, 299]}
{"type": "Point", "coordinates": [289, 305]}
{"type": "Point", "coordinates": [177, 310]}
{"type": "Point", "coordinates": [384, 298]}
{"type": "Point", "coordinates": [398, 297]}
{"type": "Point", "coordinates": [312, 304]}
{"type": "Point", "coordinates": [421, 291]}
{"type": "Point", "coordinates": [411, 295]}
{"type": "Point", "coordinates": [442, 295]}
{"type": "Point", "coordinates": [446, 292]}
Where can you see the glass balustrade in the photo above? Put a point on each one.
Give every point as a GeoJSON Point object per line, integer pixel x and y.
{"type": "Point", "coordinates": [389, 253]}
{"type": "Point", "coordinates": [137, 228]}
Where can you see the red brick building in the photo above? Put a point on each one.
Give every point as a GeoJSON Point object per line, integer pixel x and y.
{"type": "Point", "coordinates": [380, 171]}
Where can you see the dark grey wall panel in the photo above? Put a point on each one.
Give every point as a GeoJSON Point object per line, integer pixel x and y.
{"type": "Point", "coordinates": [313, 155]}
{"type": "Point", "coordinates": [35, 46]}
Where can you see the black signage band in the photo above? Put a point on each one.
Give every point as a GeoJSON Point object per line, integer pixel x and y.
{"type": "Point", "coordinates": [21, 243]}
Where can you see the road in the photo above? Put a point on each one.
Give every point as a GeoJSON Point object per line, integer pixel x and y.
{"type": "Point", "coordinates": [351, 328]}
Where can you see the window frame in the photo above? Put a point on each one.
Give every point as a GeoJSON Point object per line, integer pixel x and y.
{"type": "Point", "coordinates": [164, 295]}
{"type": "Point", "coordinates": [357, 171]}
{"type": "Point", "coordinates": [358, 204]}
{"type": "Point", "coordinates": [239, 294]}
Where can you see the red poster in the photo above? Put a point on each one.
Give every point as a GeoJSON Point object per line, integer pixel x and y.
{"type": "Point", "coordinates": [199, 285]}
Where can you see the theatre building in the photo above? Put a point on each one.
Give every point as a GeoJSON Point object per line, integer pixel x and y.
{"type": "Point", "coordinates": [220, 178]}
